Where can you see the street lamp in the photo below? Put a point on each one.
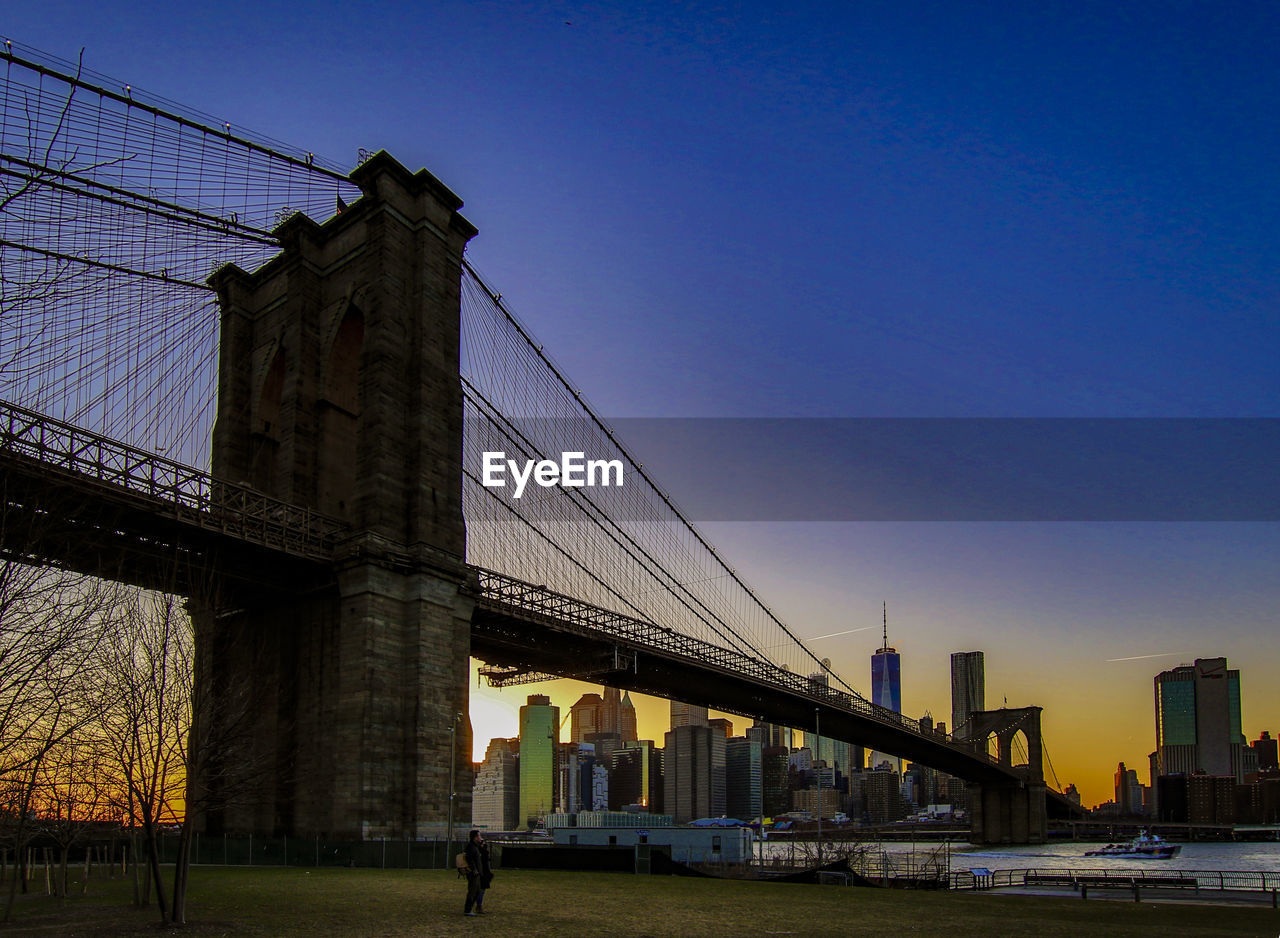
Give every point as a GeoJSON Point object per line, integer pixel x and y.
{"type": "Point", "coordinates": [554, 739]}
{"type": "Point", "coordinates": [453, 758]}
{"type": "Point", "coordinates": [817, 748]}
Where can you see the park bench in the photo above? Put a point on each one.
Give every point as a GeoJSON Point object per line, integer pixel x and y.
{"type": "Point", "coordinates": [1050, 879]}
{"type": "Point", "coordinates": [1135, 883]}
{"type": "Point", "coordinates": [1076, 880]}
{"type": "Point", "coordinates": [1108, 882]}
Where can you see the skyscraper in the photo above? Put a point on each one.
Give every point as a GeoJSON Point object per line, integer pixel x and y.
{"type": "Point", "coordinates": [920, 786]}
{"type": "Point", "coordinates": [635, 776]}
{"type": "Point", "coordinates": [569, 765]}
{"type": "Point", "coordinates": [599, 788]}
{"type": "Point", "coordinates": [693, 767]}
{"type": "Point", "coordinates": [835, 753]}
{"type": "Point", "coordinates": [606, 744]}
{"type": "Point", "coordinates": [685, 714]}
{"type": "Point", "coordinates": [1198, 720]}
{"type": "Point", "coordinates": [968, 689]}
{"type": "Point", "coordinates": [612, 716]}
{"type": "Point", "coordinates": [581, 787]}
{"type": "Point", "coordinates": [586, 717]}
{"type": "Point", "coordinates": [628, 722]}
{"type": "Point", "coordinates": [495, 800]}
{"type": "Point", "coordinates": [539, 733]}
{"type": "Point", "coordinates": [1128, 791]}
{"type": "Point", "coordinates": [886, 686]}
{"type": "Point", "coordinates": [883, 792]}
{"type": "Point", "coordinates": [612, 712]}
{"type": "Point", "coordinates": [587, 766]}
{"type": "Point", "coordinates": [774, 769]}
{"type": "Point", "coordinates": [1265, 747]}
{"type": "Point", "coordinates": [775, 735]}
{"type": "Point", "coordinates": [723, 725]}
{"type": "Point", "coordinates": [744, 778]}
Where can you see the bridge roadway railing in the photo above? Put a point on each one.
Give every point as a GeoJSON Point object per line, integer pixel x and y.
{"type": "Point", "coordinates": [89, 460]}
{"type": "Point", "coordinates": [526, 600]}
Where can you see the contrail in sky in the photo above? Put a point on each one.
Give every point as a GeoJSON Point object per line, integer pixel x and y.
{"type": "Point", "coordinates": [1167, 654]}
{"type": "Point", "coordinates": [834, 634]}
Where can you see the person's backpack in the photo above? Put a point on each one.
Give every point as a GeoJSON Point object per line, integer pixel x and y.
{"type": "Point", "coordinates": [461, 862]}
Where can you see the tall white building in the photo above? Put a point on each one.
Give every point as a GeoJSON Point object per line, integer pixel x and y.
{"type": "Point", "coordinates": [599, 788]}
{"type": "Point", "coordinates": [495, 800]}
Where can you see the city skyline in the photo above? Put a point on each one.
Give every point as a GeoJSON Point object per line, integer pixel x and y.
{"type": "Point", "coordinates": [870, 213]}
{"type": "Point", "coordinates": [1096, 782]}
{"type": "Point", "coordinates": [706, 771]}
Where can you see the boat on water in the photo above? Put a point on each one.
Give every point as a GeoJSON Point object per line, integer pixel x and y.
{"type": "Point", "coordinates": [1144, 846]}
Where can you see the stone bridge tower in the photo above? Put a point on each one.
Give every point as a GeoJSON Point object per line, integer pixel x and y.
{"type": "Point", "coordinates": [1014, 812]}
{"type": "Point", "coordinates": [339, 390]}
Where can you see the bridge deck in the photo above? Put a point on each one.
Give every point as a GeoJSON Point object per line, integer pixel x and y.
{"type": "Point", "coordinates": [84, 500]}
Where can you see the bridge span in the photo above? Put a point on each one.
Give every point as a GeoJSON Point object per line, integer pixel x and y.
{"type": "Point", "coordinates": [340, 371]}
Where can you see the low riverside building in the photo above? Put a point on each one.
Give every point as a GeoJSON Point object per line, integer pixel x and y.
{"type": "Point", "coordinates": [608, 819]}
{"type": "Point", "coordinates": [687, 844]}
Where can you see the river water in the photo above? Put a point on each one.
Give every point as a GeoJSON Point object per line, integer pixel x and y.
{"type": "Point", "coordinates": [1253, 857]}
{"type": "Point", "coordinates": [1064, 855]}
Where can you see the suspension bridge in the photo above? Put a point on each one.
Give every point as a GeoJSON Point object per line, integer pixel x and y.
{"type": "Point", "coordinates": [234, 371]}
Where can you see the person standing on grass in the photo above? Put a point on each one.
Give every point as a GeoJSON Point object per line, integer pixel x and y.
{"type": "Point", "coordinates": [479, 873]}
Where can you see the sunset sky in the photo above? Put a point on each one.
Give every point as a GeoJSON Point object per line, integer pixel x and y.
{"type": "Point", "coordinates": [847, 210]}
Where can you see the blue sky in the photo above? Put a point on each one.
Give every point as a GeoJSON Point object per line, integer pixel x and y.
{"type": "Point", "coordinates": [888, 210]}
{"type": "Point", "coordinates": [893, 209]}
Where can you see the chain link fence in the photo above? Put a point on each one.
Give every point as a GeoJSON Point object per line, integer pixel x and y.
{"type": "Point", "coordinates": [251, 850]}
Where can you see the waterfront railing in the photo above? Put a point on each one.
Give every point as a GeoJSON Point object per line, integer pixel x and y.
{"type": "Point", "coordinates": [1219, 880]}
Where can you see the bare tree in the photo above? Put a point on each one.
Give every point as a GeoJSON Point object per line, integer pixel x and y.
{"type": "Point", "coordinates": [167, 735]}
{"type": "Point", "coordinates": [73, 795]}
{"type": "Point", "coordinates": [148, 665]}
{"type": "Point", "coordinates": [50, 626]}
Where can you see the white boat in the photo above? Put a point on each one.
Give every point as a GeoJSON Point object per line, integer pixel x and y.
{"type": "Point", "coordinates": [1144, 846]}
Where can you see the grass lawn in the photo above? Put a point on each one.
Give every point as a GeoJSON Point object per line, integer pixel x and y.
{"type": "Point", "coordinates": [282, 903]}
